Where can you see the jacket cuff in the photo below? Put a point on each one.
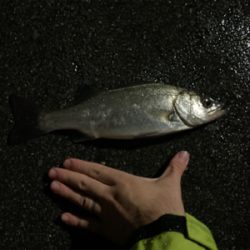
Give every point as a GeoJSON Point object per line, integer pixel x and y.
{"type": "Point", "coordinates": [167, 222]}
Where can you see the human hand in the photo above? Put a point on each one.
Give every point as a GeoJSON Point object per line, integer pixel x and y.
{"type": "Point", "coordinates": [121, 202]}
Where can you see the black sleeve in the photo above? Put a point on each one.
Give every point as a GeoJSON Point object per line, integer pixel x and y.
{"type": "Point", "coordinates": [165, 223]}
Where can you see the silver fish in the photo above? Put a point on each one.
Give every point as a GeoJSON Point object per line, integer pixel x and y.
{"type": "Point", "coordinates": [126, 113]}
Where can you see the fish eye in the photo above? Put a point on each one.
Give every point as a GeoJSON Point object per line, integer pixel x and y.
{"type": "Point", "coordinates": [207, 102]}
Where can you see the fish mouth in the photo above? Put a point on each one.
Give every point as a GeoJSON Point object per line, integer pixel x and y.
{"type": "Point", "coordinates": [217, 112]}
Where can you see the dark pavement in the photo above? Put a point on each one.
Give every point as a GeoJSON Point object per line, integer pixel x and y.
{"type": "Point", "coordinates": [50, 49]}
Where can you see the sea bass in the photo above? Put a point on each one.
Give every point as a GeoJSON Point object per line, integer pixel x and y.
{"type": "Point", "coordinates": [126, 113]}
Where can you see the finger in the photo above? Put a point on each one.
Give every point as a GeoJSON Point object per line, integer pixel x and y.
{"type": "Point", "coordinates": [90, 224]}
{"type": "Point", "coordinates": [80, 200]}
{"type": "Point", "coordinates": [177, 165]}
{"type": "Point", "coordinates": [97, 171]}
{"type": "Point", "coordinates": [79, 182]}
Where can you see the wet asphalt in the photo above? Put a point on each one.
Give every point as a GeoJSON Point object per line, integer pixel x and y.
{"type": "Point", "coordinates": [50, 50]}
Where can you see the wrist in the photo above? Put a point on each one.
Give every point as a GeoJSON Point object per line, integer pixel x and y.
{"type": "Point", "coordinates": [167, 223]}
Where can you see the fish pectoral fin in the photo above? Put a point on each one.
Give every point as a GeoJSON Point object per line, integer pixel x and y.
{"type": "Point", "coordinates": [173, 117]}
{"type": "Point", "coordinates": [164, 116]}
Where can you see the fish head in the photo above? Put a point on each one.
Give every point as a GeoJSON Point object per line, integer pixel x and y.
{"type": "Point", "coordinates": [195, 110]}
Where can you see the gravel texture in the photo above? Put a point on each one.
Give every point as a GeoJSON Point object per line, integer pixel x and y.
{"type": "Point", "coordinates": [50, 49]}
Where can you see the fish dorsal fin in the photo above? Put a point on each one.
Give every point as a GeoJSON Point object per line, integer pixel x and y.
{"type": "Point", "coordinates": [85, 92]}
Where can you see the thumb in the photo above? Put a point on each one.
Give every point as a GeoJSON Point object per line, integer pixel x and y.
{"type": "Point", "coordinates": [177, 164]}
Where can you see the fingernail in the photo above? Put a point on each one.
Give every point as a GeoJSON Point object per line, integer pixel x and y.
{"type": "Point", "coordinates": [67, 163]}
{"type": "Point", "coordinates": [65, 217]}
{"type": "Point", "coordinates": [184, 155]}
{"type": "Point", "coordinates": [55, 185]}
{"type": "Point", "coordinates": [52, 173]}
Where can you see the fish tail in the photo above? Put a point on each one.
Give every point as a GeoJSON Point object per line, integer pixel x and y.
{"type": "Point", "coordinates": [26, 116]}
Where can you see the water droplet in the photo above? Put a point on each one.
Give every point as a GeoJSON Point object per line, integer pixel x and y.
{"type": "Point", "coordinates": [75, 66]}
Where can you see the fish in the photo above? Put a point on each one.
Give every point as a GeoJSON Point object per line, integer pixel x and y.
{"type": "Point", "coordinates": [145, 110]}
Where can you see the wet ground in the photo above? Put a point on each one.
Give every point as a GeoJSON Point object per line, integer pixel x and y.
{"type": "Point", "coordinates": [50, 49]}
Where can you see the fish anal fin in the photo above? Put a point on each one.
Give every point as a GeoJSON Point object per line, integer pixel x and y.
{"type": "Point", "coordinates": [75, 135]}
{"type": "Point", "coordinates": [80, 138]}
